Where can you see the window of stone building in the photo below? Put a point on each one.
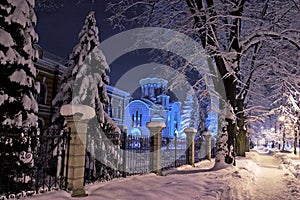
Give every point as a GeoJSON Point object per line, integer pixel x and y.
{"type": "Point", "coordinates": [41, 124]}
{"type": "Point", "coordinates": [42, 96]}
{"type": "Point", "coordinates": [119, 112]}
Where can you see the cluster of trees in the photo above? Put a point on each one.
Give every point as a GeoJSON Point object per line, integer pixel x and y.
{"type": "Point", "coordinates": [18, 90]}
{"type": "Point", "coordinates": [83, 82]}
{"type": "Point", "coordinates": [253, 44]}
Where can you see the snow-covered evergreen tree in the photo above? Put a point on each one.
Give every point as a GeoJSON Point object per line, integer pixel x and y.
{"type": "Point", "coordinates": [18, 89]}
{"type": "Point", "coordinates": [84, 80]}
{"type": "Point", "coordinates": [84, 83]}
{"type": "Point", "coordinates": [187, 113]}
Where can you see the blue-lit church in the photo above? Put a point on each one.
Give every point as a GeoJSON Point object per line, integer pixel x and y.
{"type": "Point", "coordinates": [153, 100]}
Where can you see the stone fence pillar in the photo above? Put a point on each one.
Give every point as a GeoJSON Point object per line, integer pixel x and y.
{"type": "Point", "coordinates": [190, 145]}
{"type": "Point", "coordinates": [77, 117]}
{"type": "Point", "coordinates": [124, 145]}
{"type": "Point", "coordinates": [156, 125]}
{"type": "Point", "coordinates": [207, 144]}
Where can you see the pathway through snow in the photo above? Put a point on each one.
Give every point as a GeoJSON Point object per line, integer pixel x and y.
{"type": "Point", "coordinates": [271, 180]}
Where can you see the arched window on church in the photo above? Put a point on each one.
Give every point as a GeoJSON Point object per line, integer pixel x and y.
{"type": "Point", "coordinates": [137, 118]}
{"type": "Point", "coordinates": [132, 120]}
{"type": "Point", "coordinates": [42, 96]}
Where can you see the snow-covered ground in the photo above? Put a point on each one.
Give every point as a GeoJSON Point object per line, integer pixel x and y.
{"type": "Point", "coordinates": [260, 176]}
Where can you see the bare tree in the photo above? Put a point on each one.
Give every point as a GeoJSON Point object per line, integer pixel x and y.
{"type": "Point", "coordinates": [230, 31]}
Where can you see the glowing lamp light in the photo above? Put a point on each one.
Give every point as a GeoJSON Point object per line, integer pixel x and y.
{"type": "Point", "coordinates": [281, 118]}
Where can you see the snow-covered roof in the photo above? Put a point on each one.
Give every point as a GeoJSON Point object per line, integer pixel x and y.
{"type": "Point", "coordinates": [116, 91]}
{"type": "Point", "coordinates": [161, 81]}
{"type": "Point", "coordinates": [51, 61]}
{"type": "Point", "coordinates": [147, 101]}
{"type": "Point", "coordinates": [54, 57]}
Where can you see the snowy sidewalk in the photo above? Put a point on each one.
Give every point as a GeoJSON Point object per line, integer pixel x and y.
{"type": "Point", "coordinates": [272, 180]}
{"type": "Point", "coordinates": [259, 176]}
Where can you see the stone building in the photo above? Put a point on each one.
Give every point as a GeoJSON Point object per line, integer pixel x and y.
{"type": "Point", "coordinates": [49, 70]}
{"type": "Point", "coordinates": [119, 99]}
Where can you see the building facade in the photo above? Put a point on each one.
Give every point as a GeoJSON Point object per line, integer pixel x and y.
{"type": "Point", "coordinates": [49, 70]}
{"type": "Point", "coordinates": [119, 99]}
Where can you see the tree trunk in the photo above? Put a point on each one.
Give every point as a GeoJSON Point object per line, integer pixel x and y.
{"type": "Point", "coordinates": [295, 138]}
{"type": "Point", "coordinates": [242, 132]}
{"type": "Point", "coordinates": [230, 90]}
{"type": "Point", "coordinates": [227, 126]}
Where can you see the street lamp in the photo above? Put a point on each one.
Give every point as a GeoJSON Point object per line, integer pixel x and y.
{"type": "Point", "coordinates": [175, 135]}
{"type": "Point", "coordinates": [281, 118]}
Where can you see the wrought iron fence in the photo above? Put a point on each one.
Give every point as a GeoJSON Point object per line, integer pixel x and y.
{"type": "Point", "coordinates": [198, 150]}
{"type": "Point", "coordinates": [173, 153]}
{"type": "Point", "coordinates": [137, 154]}
{"type": "Point", "coordinates": [134, 157]}
{"type": "Point", "coordinates": [31, 162]}
{"type": "Point", "coordinates": [103, 158]}
{"type": "Point", "coordinates": [51, 159]}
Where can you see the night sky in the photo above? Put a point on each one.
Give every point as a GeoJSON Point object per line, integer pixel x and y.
{"type": "Point", "coordinates": [58, 29]}
{"type": "Point", "coordinates": [58, 33]}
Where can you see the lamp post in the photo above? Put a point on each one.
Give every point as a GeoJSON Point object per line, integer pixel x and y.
{"type": "Point", "coordinates": [175, 135]}
{"type": "Point", "coordinates": [281, 118]}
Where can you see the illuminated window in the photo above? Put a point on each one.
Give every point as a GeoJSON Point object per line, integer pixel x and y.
{"type": "Point", "coordinates": [136, 118]}
{"type": "Point", "coordinates": [132, 120]}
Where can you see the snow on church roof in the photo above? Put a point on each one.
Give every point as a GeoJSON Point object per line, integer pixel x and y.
{"type": "Point", "coordinates": [153, 80]}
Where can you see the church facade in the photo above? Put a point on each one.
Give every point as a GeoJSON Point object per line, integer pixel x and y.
{"type": "Point", "coordinates": [153, 101]}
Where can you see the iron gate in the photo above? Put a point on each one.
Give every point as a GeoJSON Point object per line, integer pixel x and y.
{"type": "Point", "coordinates": [136, 154]}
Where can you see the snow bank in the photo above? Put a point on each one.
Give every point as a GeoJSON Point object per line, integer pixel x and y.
{"type": "Point", "coordinates": [291, 162]}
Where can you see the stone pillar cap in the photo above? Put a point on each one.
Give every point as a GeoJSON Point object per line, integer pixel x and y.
{"type": "Point", "coordinates": [154, 124]}
{"type": "Point", "coordinates": [71, 109]}
{"type": "Point", "coordinates": [190, 130]}
{"type": "Point", "coordinates": [123, 127]}
{"type": "Point", "coordinates": [207, 133]}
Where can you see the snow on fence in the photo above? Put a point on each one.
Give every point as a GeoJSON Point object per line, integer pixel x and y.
{"type": "Point", "coordinates": [31, 162]}
{"type": "Point", "coordinates": [135, 153]}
